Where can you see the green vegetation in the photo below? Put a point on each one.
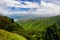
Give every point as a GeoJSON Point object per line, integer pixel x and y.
{"type": "Point", "coordinates": [32, 29]}
{"type": "Point", "coordinates": [39, 23]}
{"type": "Point", "coordinates": [8, 24]}
{"type": "Point", "coordinates": [52, 33]}
{"type": "Point", "coordinates": [4, 35]}
{"type": "Point", "coordinates": [37, 28]}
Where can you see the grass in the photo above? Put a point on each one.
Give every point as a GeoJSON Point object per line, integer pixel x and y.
{"type": "Point", "coordinates": [5, 35]}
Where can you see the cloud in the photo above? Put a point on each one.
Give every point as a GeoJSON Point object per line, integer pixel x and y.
{"type": "Point", "coordinates": [13, 3]}
{"type": "Point", "coordinates": [57, 2]}
{"type": "Point", "coordinates": [5, 4]}
{"type": "Point", "coordinates": [45, 8]}
{"type": "Point", "coordinates": [31, 4]}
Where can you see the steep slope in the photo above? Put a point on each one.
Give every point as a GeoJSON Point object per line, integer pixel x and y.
{"type": "Point", "coordinates": [4, 35]}
{"type": "Point", "coordinates": [8, 24]}
{"type": "Point", "coordinates": [38, 28]}
{"type": "Point", "coordinates": [38, 23]}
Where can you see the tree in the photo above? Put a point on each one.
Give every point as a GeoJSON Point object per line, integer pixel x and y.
{"type": "Point", "coordinates": [52, 33]}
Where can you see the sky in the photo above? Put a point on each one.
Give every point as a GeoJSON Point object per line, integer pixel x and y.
{"type": "Point", "coordinates": [8, 7]}
{"type": "Point", "coordinates": [34, 7]}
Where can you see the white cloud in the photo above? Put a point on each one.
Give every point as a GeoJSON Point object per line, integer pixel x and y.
{"type": "Point", "coordinates": [47, 9]}
{"type": "Point", "coordinates": [4, 4]}
{"type": "Point", "coordinates": [53, 1]}
{"type": "Point", "coordinates": [42, 9]}
{"type": "Point", "coordinates": [13, 3]}
{"type": "Point", "coordinates": [31, 4]}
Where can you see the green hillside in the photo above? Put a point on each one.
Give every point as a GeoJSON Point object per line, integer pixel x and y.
{"type": "Point", "coordinates": [8, 24]}
{"type": "Point", "coordinates": [47, 28]}
{"type": "Point", "coordinates": [39, 23]}
{"type": "Point", "coordinates": [4, 35]}
{"type": "Point", "coordinates": [38, 28]}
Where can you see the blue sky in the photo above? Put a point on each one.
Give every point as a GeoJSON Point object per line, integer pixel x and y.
{"type": "Point", "coordinates": [32, 0]}
{"type": "Point", "coordinates": [23, 2]}
{"type": "Point", "coordinates": [18, 9]}
{"type": "Point", "coordinates": [33, 7]}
